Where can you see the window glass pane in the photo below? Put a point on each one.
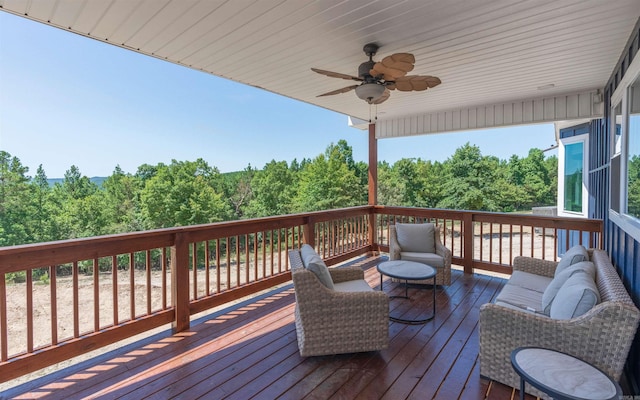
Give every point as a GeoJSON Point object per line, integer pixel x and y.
{"type": "Point", "coordinates": [573, 177]}
{"type": "Point", "coordinates": [633, 161]}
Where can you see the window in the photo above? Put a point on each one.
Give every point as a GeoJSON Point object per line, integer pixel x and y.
{"type": "Point", "coordinates": [625, 152]}
{"type": "Point", "coordinates": [633, 152]}
{"type": "Point", "coordinates": [573, 162]}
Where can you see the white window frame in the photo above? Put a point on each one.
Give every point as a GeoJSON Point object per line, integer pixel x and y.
{"type": "Point", "coordinates": [585, 176]}
{"type": "Point", "coordinates": [629, 224]}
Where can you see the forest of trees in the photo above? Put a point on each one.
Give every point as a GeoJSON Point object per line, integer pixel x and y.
{"type": "Point", "coordinates": [193, 192]}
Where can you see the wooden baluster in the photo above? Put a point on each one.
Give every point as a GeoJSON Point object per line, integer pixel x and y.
{"type": "Point", "coordinates": [543, 243]}
{"type": "Point", "coordinates": [510, 244]}
{"type": "Point", "coordinates": [264, 253]}
{"type": "Point", "coordinates": [96, 295]}
{"type": "Point", "coordinates": [255, 255]}
{"type": "Point", "coordinates": [218, 266]}
{"type": "Point", "coordinates": [481, 240]}
{"type": "Point", "coordinates": [76, 302]}
{"type": "Point", "coordinates": [132, 286]}
{"type": "Point", "coordinates": [247, 259]}
{"type": "Point", "coordinates": [114, 288]}
{"type": "Point", "coordinates": [29, 288]}
{"type": "Point", "coordinates": [194, 269]}
{"type": "Point", "coordinates": [148, 270]}
{"type": "Point", "coordinates": [163, 256]}
{"type": "Point", "coordinates": [228, 269]}
{"type": "Point", "coordinates": [53, 305]}
{"type": "Point", "coordinates": [207, 266]}
{"type": "Point", "coordinates": [4, 352]}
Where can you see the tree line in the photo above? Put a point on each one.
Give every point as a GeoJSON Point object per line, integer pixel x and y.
{"type": "Point", "coordinates": [193, 192]}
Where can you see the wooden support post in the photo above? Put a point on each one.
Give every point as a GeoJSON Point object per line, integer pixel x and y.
{"type": "Point", "coordinates": [373, 185]}
{"type": "Point", "coordinates": [373, 228]}
{"type": "Point", "coordinates": [467, 226]}
{"type": "Point", "coordinates": [308, 232]}
{"type": "Point", "coordinates": [373, 166]}
{"type": "Point", "coordinates": [180, 282]}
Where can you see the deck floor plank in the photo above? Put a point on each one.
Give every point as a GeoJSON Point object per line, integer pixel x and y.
{"type": "Point", "coordinates": [250, 351]}
{"type": "Point", "coordinates": [399, 336]}
{"type": "Point", "coordinates": [420, 352]}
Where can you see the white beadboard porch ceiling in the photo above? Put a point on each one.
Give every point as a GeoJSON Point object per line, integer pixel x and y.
{"type": "Point", "coordinates": [486, 52]}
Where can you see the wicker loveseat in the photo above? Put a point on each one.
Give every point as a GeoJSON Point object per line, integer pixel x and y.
{"type": "Point", "coordinates": [350, 317]}
{"type": "Point", "coordinates": [602, 336]}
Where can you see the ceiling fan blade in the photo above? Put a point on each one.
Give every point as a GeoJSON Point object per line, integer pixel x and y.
{"type": "Point", "coordinates": [394, 66]}
{"type": "Point", "coordinates": [415, 83]}
{"type": "Point", "coordinates": [338, 91]}
{"type": "Point", "coordinates": [383, 98]}
{"type": "Point", "coordinates": [336, 74]}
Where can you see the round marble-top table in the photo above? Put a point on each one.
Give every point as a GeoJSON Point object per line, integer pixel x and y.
{"type": "Point", "coordinates": [562, 376]}
{"type": "Point", "coordinates": [409, 271]}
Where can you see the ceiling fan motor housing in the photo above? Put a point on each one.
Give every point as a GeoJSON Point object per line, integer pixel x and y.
{"type": "Point", "coordinates": [364, 68]}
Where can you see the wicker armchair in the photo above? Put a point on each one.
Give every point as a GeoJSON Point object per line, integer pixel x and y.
{"type": "Point", "coordinates": [337, 321]}
{"type": "Point", "coordinates": [404, 247]}
{"type": "Point", "coordinates": [602, 336]}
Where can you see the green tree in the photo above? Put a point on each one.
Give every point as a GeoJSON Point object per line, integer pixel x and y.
{"type": "Point", "coordinates": [327, 183]}
{"type": "Point", "coordinates": [238, 190]}
{"type": "Point", "coordinates": [183, 193]}
{"type": "Point", "coordinates": [431, 184]}
{"type": "Point", "coordinates": [391, 188]}
{"type": "Point", "coordinates": [77, 207]}
{"type": "Point", "coordinates": [122, 206]}
{"type": "Point", "coordinates": [471, 179]}
{"type": "Point", "coordinates": [273, 190]}
{"type": "Point", "coordinates": [41, 217]}
{"type": "Point", "coordinates": [633, 196]}
{"type": "Point", "coordinates": [14, 201]}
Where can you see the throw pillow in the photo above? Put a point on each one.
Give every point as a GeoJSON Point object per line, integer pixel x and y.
{"type": "Point", "coordinates": [577, 296]}
{"type": "Point", "coordinates": [573, 255]}
{"type": "Point", "coordinates": [319, 268]}
{"type": "Point", "coordinates": [554, 286]}
{"type": "Point", "coordinates": [307, 253]}
{"type": "Point", "coordinates": [417, 238]}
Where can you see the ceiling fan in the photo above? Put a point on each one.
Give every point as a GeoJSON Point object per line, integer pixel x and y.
{"type": "Point", "coordinates": [379, 78]}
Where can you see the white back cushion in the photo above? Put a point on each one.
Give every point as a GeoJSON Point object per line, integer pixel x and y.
{"type": "Point", "coordinates": [419, 238]}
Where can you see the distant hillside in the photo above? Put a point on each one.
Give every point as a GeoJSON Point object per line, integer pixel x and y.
{"type": "Point", "coordinates": [99, 179]}
{"type": "Point", "coordinates": [96, 179]}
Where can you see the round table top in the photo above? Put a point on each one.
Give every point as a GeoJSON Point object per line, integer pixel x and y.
{"type": "Point", "coordinates": [559, 374]}
{"type": "Point", "coordinates": [408, 270]}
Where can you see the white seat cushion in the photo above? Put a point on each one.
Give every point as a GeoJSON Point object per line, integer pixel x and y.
{"type": "Point", "coordinates": [522, 298]}
{"type": "Point", "coordinates": [357, 285]}
{"type": "Point", "coordinates": [431, 259]}
{"type": "Point", "coordinates": [529, 281]}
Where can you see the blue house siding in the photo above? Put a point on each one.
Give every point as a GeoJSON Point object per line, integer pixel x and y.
{"type": "Point", "coordinates": [621, 246]}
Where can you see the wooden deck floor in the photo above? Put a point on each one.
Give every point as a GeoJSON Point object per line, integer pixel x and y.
{"type": "Point", "coordinates": [250, 351]}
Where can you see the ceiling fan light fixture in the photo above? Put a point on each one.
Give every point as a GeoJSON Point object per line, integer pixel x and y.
{"type": "Point", "coordinates": [369, 92]}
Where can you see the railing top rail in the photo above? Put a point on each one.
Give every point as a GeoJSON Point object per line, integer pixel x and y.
{"type": "Point", "coordinates": [45, 254]}
{"type": "Point", "coordinates": [545, 221]}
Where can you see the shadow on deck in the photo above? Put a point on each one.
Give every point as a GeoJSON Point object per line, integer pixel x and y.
{"type": "Point", "coordinates": [249, 350]}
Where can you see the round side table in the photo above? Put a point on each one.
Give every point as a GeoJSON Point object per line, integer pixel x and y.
{"type": "Point", "coordinates": [409, 271]}
{"type": "Point", "coordinates": [562, 376]}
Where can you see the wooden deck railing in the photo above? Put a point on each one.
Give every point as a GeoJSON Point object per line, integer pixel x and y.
{"type": "Point", "coordinates": [62, 299]}
{"type": "Point", "coordinates": [490, 241]}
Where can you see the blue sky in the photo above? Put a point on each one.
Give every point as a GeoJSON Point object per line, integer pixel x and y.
{"type": "Point", "coordinates": [69, 100]}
